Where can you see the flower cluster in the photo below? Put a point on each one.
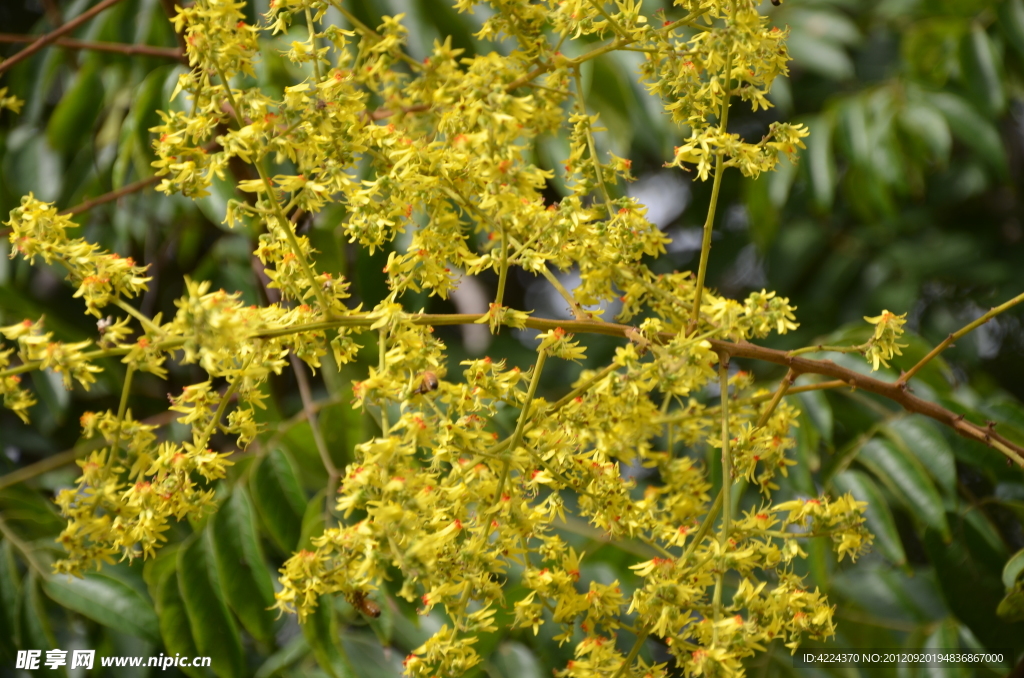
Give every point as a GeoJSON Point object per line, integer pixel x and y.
{"type": "Point", "coordinates": [884, 343]}
{"type": "Point", "coordinates": [446, 493]}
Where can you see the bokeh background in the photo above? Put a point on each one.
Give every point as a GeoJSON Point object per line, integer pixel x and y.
{"type": "Point", "coordinates": [907, 198]}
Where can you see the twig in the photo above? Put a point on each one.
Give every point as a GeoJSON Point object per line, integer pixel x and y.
{"type": "Point", "coordinates": [54, 35]}
{"type": "Point", "coordinates": [112, 47]}
{"type": "Point", "coordinates": [993, 312]}
{"type": "Point", "coordinates": [24, 548]}
{"type": "Point", "coordinates": [709, 222]}
{"type": "Point", "coordinates": [66, 457]}
{"type": "Point", "coordinates": [112, 195]}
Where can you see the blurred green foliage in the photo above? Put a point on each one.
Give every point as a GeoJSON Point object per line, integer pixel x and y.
{"type": "Point", "coordinates": [908, 197]}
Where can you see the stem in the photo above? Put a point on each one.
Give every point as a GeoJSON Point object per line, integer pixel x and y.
{"type": "Point", "coordinates": [591, 144]}
{"type": "Point", "coordinates": [716, 186]}
{"type": "Point", "coordinates": [891, 391]}
{"type": "Point", "coordinates": [970, 327]}
{"type": "Point", "coordinates": [121, 409]}
{"type": "Point", "coordinates": [130, 310]}
{"type": "Point", "coordinates": [787, 381]}
{"type": "Point", "coordinates": [577, 310]}
{"type": "Point", "coordinates": [641, 638]}
{"type": "Point", "coordinates": [312, 41]}
{"type": "Point", "coordinates": [619, 30]}
{"type": "Point", "coordinates": [726, 528]}
{"type": "Point", "coordinates": [585, 386]}
{"type": "Point", "coordinates": [309, 408]}
{"type": "Point", "coordinates": [52, 36]}
{"type": "Point", "coordinates": [833, 349]}
{"type": "Point", "coordinates": [723, 381]}
{"type": "Point", "coordinates": [524, 414]}
{"type": "Point", "coordinates": [381, 365]}
{"type": "Point", "coordinates": [284, 222]}
{"type": "Point", "coordinates": [372, 34]}
{"type": "Point", "coordinates": [503, 271]}
{"type": "Point", "coordinates": [704, 528]}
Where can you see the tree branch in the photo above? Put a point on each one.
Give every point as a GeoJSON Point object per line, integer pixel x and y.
{"type": "Point", "coordinates": [53, 36]}
{"type": "Point", "coordinates": [112, 47]}
{"type": "Point", "coordinates": [112, 195]}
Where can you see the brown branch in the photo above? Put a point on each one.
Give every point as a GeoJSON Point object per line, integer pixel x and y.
{"type": "Point", "coordinates": [893, 391]}
{"type": "Point", "coordinates": [54, 35]}
{"type": "Point", "coordinates": [113, 47]}
{"type": "Point", "coordinates": [113, 195]}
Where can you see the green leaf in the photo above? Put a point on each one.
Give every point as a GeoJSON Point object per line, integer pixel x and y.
{"type": "Point", "coordinates": [946, 636]}
{"type": "Point", "coordinates": [213, 628]}
{"type": "Point", "coordinates": [820, 163]}
{"type": "Point", "coordinates": [971, 590]}
{"type": "Point", "coordinates": [981, 72]}
{"type": "Point", "coordinates": [972, 129]}
{"type": "Point", "coordinates": [321, 632]}
{"type": "Point", "coordinates": [107, 601]}
{"type": "Point", "coordinates": [907, 479]}
{"type": "Point", "coordinates": [10, 595]}
{"type": "Point", "coordinates": [878, 516]}
{"type": "Point", "coordinates": [279, 499]}
{"type": "Point", "coordinates": [1011, 607]}
{"type": "Point", "coordinates": [76, 113]}
{"type": "Point", "coordinates": [515, 660]}
{"type": "Point", "coordinates": [927, 126]}
{"type": "Point", "coordinates": [1013, 569]}
{"type": "Point", "coordinates": [36, 632]}
{"type": "Point", "coordinates": [296, 648]}
{"type": "Point", "coordinates": [241, 567]}
{"type": "Point", "coordinates": [918, 436]}
{"type": "Point", "coordinates": [313, 520]}
{"type": "Point", "coordinates": [821, 56]}
{"type": "Point", "coordinates": [1011, 23]}
{"type": "Point", "coordinates": [815, 403]}
{"type": "Point", "coordinates": [174, 623]}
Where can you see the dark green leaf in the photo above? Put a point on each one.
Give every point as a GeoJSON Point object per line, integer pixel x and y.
{"type": "Point", "coordinates": [108, 601]}
{"type": "Point", "coordinates": [313, 520]}
{"type": "Point", "coordinates": [241, 567]}
{"type": "Point", "coordinates": [817, 407]}
{"type": "Point", "coordinates": [76, 113]}
{"type": "Point", "coordinates": [213, 628]}
{"type": "Point", "coordinates": [175, 628]}
{"type": "Point", "coordinates": [972, 592]}
{"type": "Point", "coordinates": [920, 437]}
{"type": "Point", "coordinates": [296, 648]}
{"type": "Point", "coordinates": [908, 480]}
{"type": "Point", "coordinates": [981, 71]}
{"type": "Point", "coordinates": [515, 660]}
{"type": "Point", "coordinates": [36, 631]}
{"type": "Point", "coordinates": [972, 129]}
{"type": "Point", "coordinates": [820, 163]}
{"type": "Point", "coordinates": [279, 499]}
{"type": "Point", "coordinates": [321, 632]}
{"type": "Point", "coordinates": [1014, 567]}
{"type": "Point", "coordinates": [10, 595]}
{"type": "Point", "coordinates": [1011, 23]}
{"type": "Point", "coordinates": [929, 128]}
